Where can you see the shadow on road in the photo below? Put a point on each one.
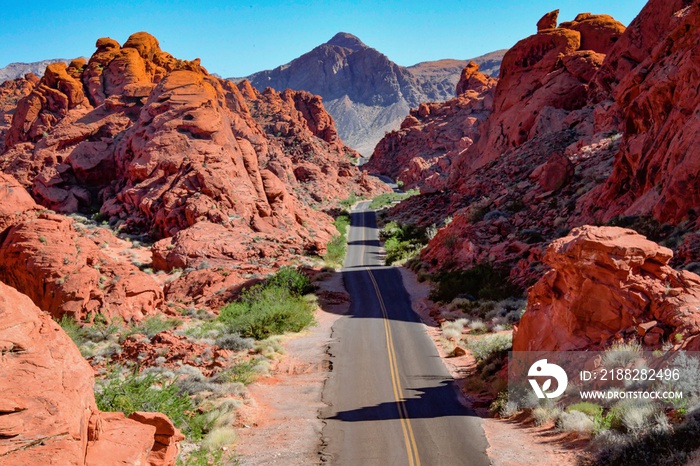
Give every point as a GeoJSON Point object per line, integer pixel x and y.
{"type": "Point", "coordinates": [431, 402]}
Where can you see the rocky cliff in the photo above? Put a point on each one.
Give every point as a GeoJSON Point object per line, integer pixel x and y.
{"type": "Point", "coordinates": [158, 145]}
{"type": "Point", "coordinates": [421, 153]}
{"type": "Point", "coordinates": [591, 123]}
{"type": "Point", "coordinates": [366, 93]}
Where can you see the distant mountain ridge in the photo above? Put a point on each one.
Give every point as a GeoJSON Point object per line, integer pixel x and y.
{"type": "Point", "coordinates": [366, 93]}
{"type": "Point", "coordinates": [19, 69]}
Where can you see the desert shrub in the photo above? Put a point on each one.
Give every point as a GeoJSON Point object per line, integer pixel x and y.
{"type": "Point", "coordinates": [150, 392]}
{"type": "Point", "coordinates": [234, 342]}
{"type": "Point", "coordinates": [267, 310]}
{"type": "Point", "coordinates": [150, 326]}
{"type": "Point", "coordinates": [653, 447]}
{"type": "Point", "coordinates": [385, 199]}
{"type": "Point", "coordinates": [271, 308]}
{"type": "Point", "coordinates": [72, 329]}
{"type": "Point", "coordinates": [453, 330]}
{"type": "Point", "coordinates": [509, 409]}
{"type": "Point", "coordinates": [620, 354]}
{"type": "Point", "coordinates": [575, 421]}
{"type": "Point", "coordinates": [242, 372]}
{"type": "Point", "coordinates": [402, 242]}
{"type": "Point", "coordinates": [490, 346]}
{"type": "Point", "coordinates": [545, 414]}
{"type": "Point", "coordinates": [336, 247]}
{"type": "Point", "coordinates": [482, 281]}
{"type": "Point", "coordinates": [218, 438]}
{"type": "Point", "coordinates": [291, 279]}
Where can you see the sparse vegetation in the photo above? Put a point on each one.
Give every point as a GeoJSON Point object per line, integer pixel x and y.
{"type": "Point", "coordinates": [489, 346]}
{"type": "Point", "coordinates": [336, 248]}
{"type": "Point", "coordinates": [386, 199]}
{"type": "Point", "coordinates": [480, 282]}
{"type": "Point", "coordinates": [270, 308]}
{"type": "Point", "coordinates": [402, 242]}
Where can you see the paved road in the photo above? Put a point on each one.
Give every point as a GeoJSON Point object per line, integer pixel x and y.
{"type": "Point", "coordinates": [391, 399]}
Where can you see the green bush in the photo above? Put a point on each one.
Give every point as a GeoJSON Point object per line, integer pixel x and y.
{"type": "Point", "coordinates": [291, 279]}
{"type": "Point", "coordinates": [150, 326]}
{"type": "Point", "coordinates": [272, 307]}
{"type": "Point", "coordinates": [150, 393]}
{"type": "Point", "coordinates": [267, 310]}
{"type": "Point", "coordinates": [402, 242]}
{"type": "Point", "coordinates": [335, 249]}
{"type": "Point", "coordinates": [482, 281]}
{"type": "Point", "coordinates": [72, 329]}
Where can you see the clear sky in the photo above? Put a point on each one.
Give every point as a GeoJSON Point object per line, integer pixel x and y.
{"type": "Point", "coordinates": [235, 38]}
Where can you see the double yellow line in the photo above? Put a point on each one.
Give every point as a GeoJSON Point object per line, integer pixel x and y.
{"type": "Point", "coordinates": [411, 446]}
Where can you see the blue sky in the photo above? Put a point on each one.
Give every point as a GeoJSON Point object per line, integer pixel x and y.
{"type": "Point", "coordinates": [236, 38]}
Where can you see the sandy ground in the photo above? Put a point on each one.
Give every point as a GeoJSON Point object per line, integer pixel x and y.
{"type": "Point", "coordinates": [512, 442]}
{"type": "Point", "coordinates": [281, 426]}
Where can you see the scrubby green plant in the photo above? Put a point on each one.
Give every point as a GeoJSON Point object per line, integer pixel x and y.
{"type": "Point", "coordinates": [482, 281]}
{"type": "Point", "coordinates": [132, 392]}
{"type": "Point", "coordinates": [273, 307]}
{"type": "Point", "coordinates": [290, 278]}
{"type": "Point", "coordinates": [545, 414]}
{"type": "Point", "coordinates": [385, 199]}
{"type": "Point", "coordinates": [72, 329]}
{"type": "Point", "coordinates": [575, 421]}
{"type": "Point", "coordinates": [263, 311]}
{"type": "Point", "coordinates": [337, 246]}
{"type": "Point", "coordinates": [152, 325]}
{"type": "Point", "coordinates": [402, 242]}
{"type": "Point", "coordinates": [490, 345]}
{"type": "Point", "coordinates": [621, 353]}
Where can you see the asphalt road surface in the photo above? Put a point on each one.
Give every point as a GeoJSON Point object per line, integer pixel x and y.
{"type": "Point", "coordinates": [391, 401]}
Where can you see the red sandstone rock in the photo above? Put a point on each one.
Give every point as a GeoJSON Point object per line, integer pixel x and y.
{"type": "Point", "coordinates": [63, 270]}
{"type": "Point", "coordinates": [422, 152]}
{"type": "Point", "coordinates": [605, 279]}
{"type": "Point", "coordinates": [48, 413]}
{"type": "Point", "coordinates": [548, 21]}
{"type": "Point", "coordinates": [655, 172]}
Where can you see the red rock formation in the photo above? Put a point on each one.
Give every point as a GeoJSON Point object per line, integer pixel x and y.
{"type": "Point", "coordinates": [543, 74]}
{"type": "Point", "coordinates": [548, 21]}
{"type": "Point", "coordinates": [10, 94]}
{"type": "Point", "coordinates": [657, 104]}
{"type": "Point", "coordinates": [422, 152]}
{"type": "Point", "coordinates": [48, 413]}
{"type": "Point", "coordinates": [605, 282]}
{"type": "Point", "coordinates": [62, 268]}
{"type": "Point", "coordinates": [313, 161]}
{"type": "Point", "coordinates": [168, 146]}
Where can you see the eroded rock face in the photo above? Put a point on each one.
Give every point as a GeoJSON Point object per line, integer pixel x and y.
{"type": "Point", "coordinates": [311, 159]}
{"type": "Point", "coordinates": [657, 105]}
{"type": "Point", "coordinates": [10, 94]}
{"type": "Point", "coordinates": [60, 265]}
{"type": "Point", "coordinates": [423, 151]}
{"type": "Point", "coordinates": [604, 282]}
{"type": "Point", "coordinates": [48, 413]}
{"type": "Point", "coordinates": [544, 73]}
{"type": "Point", "coordinates": [159, 145]}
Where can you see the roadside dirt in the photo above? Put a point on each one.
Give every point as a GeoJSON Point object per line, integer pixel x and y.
{"type": "Point", "coordinates": [511, 442]}
{"type": "Point", "coordinates": [282, 426]}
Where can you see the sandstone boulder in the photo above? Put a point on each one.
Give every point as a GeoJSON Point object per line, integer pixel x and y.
{"type": "Point", "coordinates": [48, 413]}
{"type": "Point", "coordinates": [603, 281]}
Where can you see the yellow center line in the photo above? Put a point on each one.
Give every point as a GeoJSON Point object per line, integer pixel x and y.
{"type": "Point", "coordinates": [409, 438]}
